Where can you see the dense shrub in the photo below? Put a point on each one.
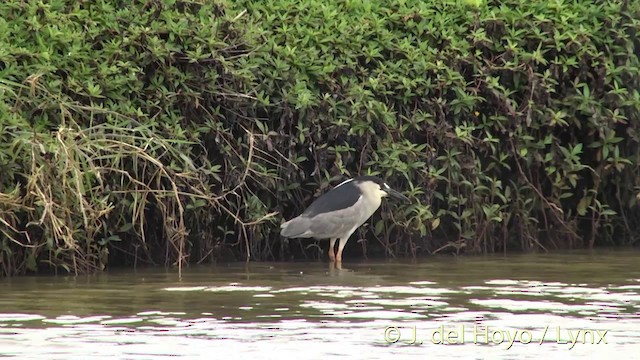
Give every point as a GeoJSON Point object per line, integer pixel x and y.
{"type": "Point", "coordinates": [170, 131]}
{"type": "Point", "coordinates": [513, 124]}
{"type": "Point", "coordinates": [111, 115]}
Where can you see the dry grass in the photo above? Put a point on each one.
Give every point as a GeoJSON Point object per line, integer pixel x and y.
{"type": "Point", "coordinates": [75, 177]}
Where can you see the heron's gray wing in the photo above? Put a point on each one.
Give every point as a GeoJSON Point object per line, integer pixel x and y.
{"type": "Point", "coordinates": [331, 225]}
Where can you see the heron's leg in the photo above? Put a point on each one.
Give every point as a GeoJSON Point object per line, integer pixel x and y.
{"type": "Point", "coordinates": [343, 242]}
{"type": "Point", "coordinates": [332, 249]}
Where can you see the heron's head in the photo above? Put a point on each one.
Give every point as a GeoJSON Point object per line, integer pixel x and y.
{"type": "Point", "coordinates": [378, 187]}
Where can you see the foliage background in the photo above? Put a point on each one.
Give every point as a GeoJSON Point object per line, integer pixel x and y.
{"type": "Point", "coordinates": [175, 132]}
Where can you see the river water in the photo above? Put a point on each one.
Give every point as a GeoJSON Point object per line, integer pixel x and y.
{"type": "Point", "coordinates": [557, 306]}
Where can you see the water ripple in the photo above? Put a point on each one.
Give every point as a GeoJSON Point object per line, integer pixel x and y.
{"type": "Point", "coordinates": [271, 312]}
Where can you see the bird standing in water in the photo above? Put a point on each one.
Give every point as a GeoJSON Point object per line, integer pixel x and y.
{"type": "Point", "coordinates": [339, 212]}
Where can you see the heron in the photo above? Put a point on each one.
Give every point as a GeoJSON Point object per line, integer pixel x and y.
{"type": "Point", "coordinates": [336, 214]}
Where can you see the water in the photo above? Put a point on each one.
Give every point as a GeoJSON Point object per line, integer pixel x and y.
{"type": "Point", "coordinates": [366, 310]}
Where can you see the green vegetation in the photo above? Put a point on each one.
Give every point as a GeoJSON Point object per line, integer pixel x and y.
{"type": "Point", "coordinates": [173, 132]}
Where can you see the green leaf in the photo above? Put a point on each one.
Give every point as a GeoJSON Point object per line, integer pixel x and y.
{"type": "Point", "coordinates": [523, 152]}
{"type": "Point", "coordinates": [583, 204]}
{"type": "Point", "coordinates": [379, 227]}
{"type": "Point", "coordinates": [126, 227]}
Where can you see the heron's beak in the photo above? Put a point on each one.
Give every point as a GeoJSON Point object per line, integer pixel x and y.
{"type": "Point", "coordinates": [397, 195]}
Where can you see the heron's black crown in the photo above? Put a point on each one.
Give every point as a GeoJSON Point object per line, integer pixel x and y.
{"type": "Point", "coordinates": [374, 179]}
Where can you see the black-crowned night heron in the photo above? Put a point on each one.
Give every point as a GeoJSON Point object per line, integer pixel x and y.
{"type": "Point", "coordinates": [339, 212]}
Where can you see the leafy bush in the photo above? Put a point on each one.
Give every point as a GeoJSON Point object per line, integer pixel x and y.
{"type": "Point", "coordinates": [171, 131]}
{"type": "Point", "coordinates": [512, 125]}
{"type": "Point", "coordinates": [120, 132]}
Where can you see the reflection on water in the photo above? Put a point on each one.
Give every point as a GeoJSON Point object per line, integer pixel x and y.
{"type": "Point", "coordinates": [515, 307]}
